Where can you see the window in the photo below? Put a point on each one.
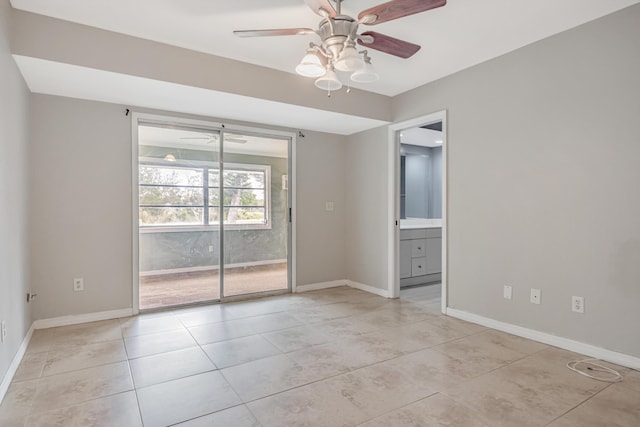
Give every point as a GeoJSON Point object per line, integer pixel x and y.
{"type": "Point", "coordinates": [189, 195]}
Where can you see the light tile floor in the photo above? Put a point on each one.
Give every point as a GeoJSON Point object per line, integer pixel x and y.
{"type": "Point", "coordinates": [337, 357]}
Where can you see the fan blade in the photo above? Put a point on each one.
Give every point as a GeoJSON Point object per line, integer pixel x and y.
{"type": "Point", "coordinates": [397, 9]}
{"type": "Point", "coordinates": [321, 7]}
{"type": "Point", "coordinates": [388, 44]}
{"type": "Point", "coordinates": [276, 32]}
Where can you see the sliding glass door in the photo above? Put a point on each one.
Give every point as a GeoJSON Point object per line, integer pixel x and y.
{"type": "Point", "coordinates": [256, 214]}
{"type": "Point", "coordinates": [213, 211]}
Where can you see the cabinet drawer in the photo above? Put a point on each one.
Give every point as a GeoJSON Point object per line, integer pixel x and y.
{"type": "Point", "coordinates": [418, 248]}
{"type": "Point", "coordinates": [433, 232]}
{"type": "Point", "coordinates": [416, 233]}
{"type": "Point", "coordinates": [418, 266]}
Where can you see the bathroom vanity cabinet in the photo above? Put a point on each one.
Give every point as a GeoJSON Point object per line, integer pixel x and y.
{"type": "Point", "coordinates": [420, 256]}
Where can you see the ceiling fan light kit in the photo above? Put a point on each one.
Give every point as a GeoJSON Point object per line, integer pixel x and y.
{"type": "Point", "coordinates": [349, 59]}
{"type": "Point", "coordinates": [338, 35]}
{"type": "Point", "coordinates": [311, 65]}
{"type": "Point", "coordinates": [330, 81]}
{"type": "Point", "coordinates": [366, 74]}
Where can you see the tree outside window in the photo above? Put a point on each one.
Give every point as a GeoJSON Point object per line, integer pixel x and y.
{"type": "Point", "coordinates": [178, 196]}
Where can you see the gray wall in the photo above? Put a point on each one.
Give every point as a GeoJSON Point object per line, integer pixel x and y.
{"type": "Point", "coordinates": [81, 206]}
{"type": "Point", "coordinates": [423, 182]}
{"type": "Point", "coordinates": [321, 177]}
{"type": "Point", "coordinates": [366, 219]}
{"type": "Point", "coordinates": [417, 171]}
{"type": "Point", "coordinates": [543, 175]}
{"type": "Point", "coordinates": [14, 167]}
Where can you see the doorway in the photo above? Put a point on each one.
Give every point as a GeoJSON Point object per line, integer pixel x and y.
{"type": "Point", "coordinates": [418, 203]}
{"type": "Point", "coordinates": [212, 212]}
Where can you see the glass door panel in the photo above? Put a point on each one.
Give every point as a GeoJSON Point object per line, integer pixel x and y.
{"type": "Point", "coordinates": [179, 233]}
{"type": "Point", "coordinates": [255, 211]}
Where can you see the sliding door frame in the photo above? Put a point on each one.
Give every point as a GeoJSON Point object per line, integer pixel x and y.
{"type": "Point", "coordinates": [221, 128]}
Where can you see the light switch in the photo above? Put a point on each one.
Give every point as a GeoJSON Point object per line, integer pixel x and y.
{"type": "Point", "coordinates": [328, 206]}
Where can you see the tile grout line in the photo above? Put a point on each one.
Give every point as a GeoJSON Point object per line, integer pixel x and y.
{"type": "Point", "coordinates": [580, 403]}
{"type": "Point", "coordinates": [133, 383]}
{"type": "Point", "coordinates": [261, 334]}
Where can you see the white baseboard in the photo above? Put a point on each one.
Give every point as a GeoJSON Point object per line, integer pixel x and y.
{"type": "Point", "coordinates": [82, 318]}
{"type": "Point", "coordinates": [321, 285]}
{"type": "Point", "coordinates": [369, 288]}
{"type": "Point", "coordinates": [15, 363]}
{"type": "Point", "coordinates": [336, 283]}
{"type": "Point", "coordinates": [546, 338]}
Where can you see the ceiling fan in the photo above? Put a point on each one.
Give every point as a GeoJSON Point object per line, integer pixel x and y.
{"type": "Point", "coordinates": [210, 138]}
{"type": "Point", "coordinates": [339, 33]}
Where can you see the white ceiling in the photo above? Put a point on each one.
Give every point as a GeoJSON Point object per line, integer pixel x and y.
{"type": "Point", "coordinates": [461, 34]}
{"type": "Point", "coordinates": [54, 78]}
{"type": "Point", "coordinates": [421, 137]}
{"type": "Point", "coordinates": [454, 37]}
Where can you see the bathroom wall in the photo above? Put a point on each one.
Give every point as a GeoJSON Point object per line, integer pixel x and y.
{"type": "Point", "coordinates": [422, 172]}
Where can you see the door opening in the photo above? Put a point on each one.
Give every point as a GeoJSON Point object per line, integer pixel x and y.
{"type": "Point", "coordinates": [418, 198]}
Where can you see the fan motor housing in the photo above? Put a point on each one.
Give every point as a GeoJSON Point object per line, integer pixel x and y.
{"type": "Point", "coordinates": [335, 31]}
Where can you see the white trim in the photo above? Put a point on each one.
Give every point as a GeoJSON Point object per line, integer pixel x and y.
{"type": "Point", "coordinates": [209, 124]}
{"type": "Point", "coordinates": [444, 300]}
{"type": "Point", "coordinates": [393, 213]}
{"type": "Point", "coordinates": [321, 285]}
{"type": "Point", "coordinates": [369, 288]}
{"type": "Point", "coordinates": [82, 318]}
{"type": "Point", "coordinates": [15, 364]}
{"type": "Point", "coordinates": [546, 338]}
{"type": "Point", "coordinates": [135, 201]}
{"type": "Point", "coordinates": [291, 180]}
{"type": "Point", "coordinates": [393, 189]}
{"type": "Point", "coordinates": [210, 267]}
{"type": "Point", "coordinates": [343, 282]}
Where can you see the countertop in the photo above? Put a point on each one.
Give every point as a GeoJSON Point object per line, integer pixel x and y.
{"type": "Point", "coordinates": [413, 223]}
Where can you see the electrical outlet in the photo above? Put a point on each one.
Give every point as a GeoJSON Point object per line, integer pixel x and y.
{"type": "Point", "coordinates": [3, 331]}
{"type": "Point", "coordinates": [577, 304]}
{"type": "Point", "coordinates": [210, 248]}
{"type": "Point", "coordinates": [535, 296]}
{"type": "Point", "coordinates": [78, 284]}
{"type": "Point", "coordinates": [507, 292]}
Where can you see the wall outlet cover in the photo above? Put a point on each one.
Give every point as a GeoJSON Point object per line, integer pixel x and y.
{"type": "Point", "coordinates": [507, 292]}
{"type": "Point", "coordinates": [577, 304]}
{"type": "Point", "coordinates": [78, 284]}
{"type": "Point", "coordinates": [535, 296]}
